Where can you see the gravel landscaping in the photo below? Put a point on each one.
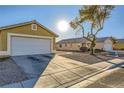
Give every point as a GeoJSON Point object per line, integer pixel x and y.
{"type": "Point", "coordinates": [86, 58]}
{"type": "Point", "coordinates": [10, 72]}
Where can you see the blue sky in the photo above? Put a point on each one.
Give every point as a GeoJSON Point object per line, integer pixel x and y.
{"type": "Point", "coordinates": [49, 16]}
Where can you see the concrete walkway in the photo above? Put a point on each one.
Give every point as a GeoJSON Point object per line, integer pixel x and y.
{"type": "Point", "coordinates": [65, 72]}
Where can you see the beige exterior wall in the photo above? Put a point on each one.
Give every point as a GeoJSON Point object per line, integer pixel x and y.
{"type": "Point", "coordinates": [76, 46]}
{"type": "Point", "coordinates": [68, 46]}
{"type": "Point", "coordinates": [99, 45]}
{"type": "Point", "coordinates": [26, 29]}
{"type": "Point", "coordinates": [54, 43]}
{"type": "Point", "coordinates": [108, 41]}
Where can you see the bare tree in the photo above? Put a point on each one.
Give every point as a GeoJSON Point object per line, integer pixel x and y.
{"type": "Point", "coordinates": [95, 15]}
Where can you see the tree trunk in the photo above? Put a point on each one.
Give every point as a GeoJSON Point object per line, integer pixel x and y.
{"type": "Point", "coordinates": [92, 46]}
{"type": "Point", "coordinates": [91, 51]}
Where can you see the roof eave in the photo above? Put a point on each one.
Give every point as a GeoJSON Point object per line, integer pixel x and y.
{"type": "Point", "coordinates": [47, 29]}
{"type": "Point", "coordinates": [26, 23]}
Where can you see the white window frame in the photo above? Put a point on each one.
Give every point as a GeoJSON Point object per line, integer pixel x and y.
{"type": "Point", "coordinates": [32, 27]}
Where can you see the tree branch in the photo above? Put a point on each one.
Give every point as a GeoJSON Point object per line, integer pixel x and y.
{"type": "Point", "coordinates": [81, 28]}
{"type": "Point", "coordinates": [98, 30]}
{"type": "Point", "coordinates": [87, 38]}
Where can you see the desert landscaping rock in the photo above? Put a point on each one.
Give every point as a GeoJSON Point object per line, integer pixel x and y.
{"type": "Point", "coordinates": [86, 58]}
{"type": "Point", "coordinates": [10, 72]}
{"type": "Point", "coordinates": [14, 85]}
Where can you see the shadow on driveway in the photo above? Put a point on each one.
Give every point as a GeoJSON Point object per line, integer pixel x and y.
{"type": "Point", "coordinates": [24, 70]}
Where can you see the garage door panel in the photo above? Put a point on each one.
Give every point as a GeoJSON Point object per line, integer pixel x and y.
{"type": "Point", "coordinates": [28, 46]}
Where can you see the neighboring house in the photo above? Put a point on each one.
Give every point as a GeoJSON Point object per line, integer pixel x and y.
{"type": "Point", "coordinates": [119, 45]}
{"type": "Point", "coordinates": [26, 39]}
{"type": "Point", "coordinates": [76, 43]}
{"type": "Point", "coordinates": [105, 43]}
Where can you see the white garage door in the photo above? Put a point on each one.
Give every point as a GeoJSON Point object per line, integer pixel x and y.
{"type": "Point", "coordinates": [29, 46]}
{"type": "Point", "coordinates": [108, 47]}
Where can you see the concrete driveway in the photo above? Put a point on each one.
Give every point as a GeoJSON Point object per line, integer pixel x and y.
{"type": "Point", "coordinates": [33, 65]}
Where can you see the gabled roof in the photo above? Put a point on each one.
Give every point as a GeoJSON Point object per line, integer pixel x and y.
{"type": "Point", "coordinates": [80, 40]}
{"type": "Point", "coordinates": [26, 23]}
{"type": "Point", "coordinates": [120, 40]}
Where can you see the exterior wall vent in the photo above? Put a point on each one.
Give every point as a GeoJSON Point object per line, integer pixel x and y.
{"type": "Point", "coordinates": [34, 27]}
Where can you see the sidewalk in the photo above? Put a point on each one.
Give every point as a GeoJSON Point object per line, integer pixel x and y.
{"type": "Point", "coordinates": [65, 72]}
{"type": "Point", "coordinates": [113, 77]}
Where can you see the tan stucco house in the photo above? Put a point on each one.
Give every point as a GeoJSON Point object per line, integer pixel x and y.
{"type": "Point", "coordinates": [26, 39]}
{"type": "Point", "coordinates": [104, 43]}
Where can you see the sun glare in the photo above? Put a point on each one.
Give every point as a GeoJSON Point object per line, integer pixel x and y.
{"type": "Point", "coordinates": [63, 26]}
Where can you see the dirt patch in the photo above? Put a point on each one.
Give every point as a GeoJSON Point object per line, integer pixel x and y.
{"type": "Point", "coordinates": [86, 58]}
